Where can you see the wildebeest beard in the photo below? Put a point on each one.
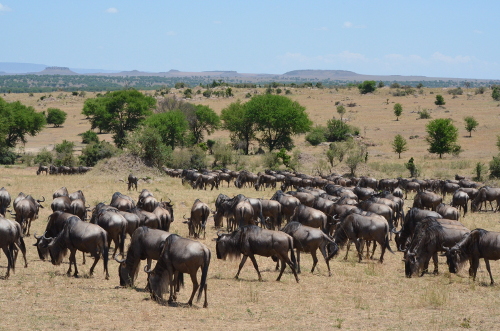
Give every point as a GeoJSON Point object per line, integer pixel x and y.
{"type": "Point", "coordinates": [58, 249]}
{"type": "Point", "coordinates": [228, 246]}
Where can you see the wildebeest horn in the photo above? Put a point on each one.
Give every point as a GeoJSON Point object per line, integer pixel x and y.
{"type": "Point", "coordinates": [219, 233]}
{"type": "Point", "coordinates": [120, 261]}
{"type": "Point", "coordinates": [395, 231]}
{"type": "Point", "coordinates": [37, 237]}
{"type": "Point", "coordinates": [184, 217]}
{"type": "Point", "coordinates": [10, 211]}
{"type": "Point", "coordinates": [446, 248]}
{"type": "Point", "coordinates": [41, 200]}
{"type": "Point", "coordinates": [146, 270]}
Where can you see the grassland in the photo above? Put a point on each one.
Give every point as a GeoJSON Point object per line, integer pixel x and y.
{"type": "Point", "coordinates": [365, 295]}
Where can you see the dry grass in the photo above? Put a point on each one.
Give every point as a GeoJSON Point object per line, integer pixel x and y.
{"type": "Point", "coordinates": [364, 295]}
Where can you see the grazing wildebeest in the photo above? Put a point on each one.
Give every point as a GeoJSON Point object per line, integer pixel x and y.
{"type": "Point", "coordinates": [460, 199]}
{"type": "Point", "coordinates": [307, 239]}
{"type": "Point", "coordinates": [204, 180]}
{"type": "Point", "coordinates": [26, 208]}
{"type": "Point", "coordinates": [265, 181]}
{"type": "Point", "coordinates": [408, 186]}
{"type": "Point", "coordinates": [42, 168]}
{"type": "Point", "coordinates": [427, 199]}
{"type": "Point", "coordinates": [11, 239]}
{"type": "Point", "coordinates": [132, 182]}
{"type": "Point", "coordinates": [198, 220]}
{"type": "Point", "coordinates": [78, 235]}
{"type": "Point", "coordinates": [478, 244]}
{"type": "Point", "coordinates": [288, 203]}
{"type": "Point", "coordinates": [379, 209]}
{"type": "Point", "coordinates": [55, 224]}
{"type": "Point", "coordinates": [5, 200]}
{"type": "Point", "coordinates": [448, 212]}
{"type": "Point", "coordinates": [486, 193]}
{"type": "Point", "coordinates": [113, 222]}
{"type": "Point", "coordinates": [122, 202]}
{"type": "Point", "coordinates": [145, 244]}
{"type": "Point", "coordinates": [179, 256]}
{"type": "Point", "coordinates": [428, 239]}
{"type": "Point", "coordinates": [448, 187]}
{"type": "Point", "coordinates": [251, 240]}
{"type": "Point", "coordinates": [412, 218]}
{"type": "Point", "coordinates": [358, 228]}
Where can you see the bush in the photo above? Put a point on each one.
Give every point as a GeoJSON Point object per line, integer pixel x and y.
{"type": "Point", "coordinates": [495, 167]}
{"type": "Point", "coordinates": [28, 159]}
{"type": "Point", "coordinates": [480, 90]}
{"type": "Point", "coordinates": [439, 100]}
{"type": "Point", "coordinates": [97, 151]}
{"type": "Point", "coordinates": [44, 157]}
{"type": "Point", "coordinates": [368, 86]}
{"type": "Point", "coordinates": [147, 144]}
{"type": "Point", "coordinates": [395, 85]}
{"type": "Point", "coordinates": [496, 93]}
{"type": "Point", "coordinates": [223, 154]}
{"type": "Point", "coordinates": [271, 161]}
{"type": "Point", "coordinates": [337, 130]}
{"type": "Point", "coordinates": [56, 116]}
{"type": "Point", "coordinates": [456, 91]}
{"type": "Point", "coordinates": [89, 137]}
{"type": "Point", "coordinates": [317, 135]}
{"type": "Point", "coordinates": [64, 154]}
{"type": "Point", "coordinates": [7, 156]}
{"type": "Point", "coordinates": [424, 114]}
{"type": "Point", "coordinates": [479, 171]}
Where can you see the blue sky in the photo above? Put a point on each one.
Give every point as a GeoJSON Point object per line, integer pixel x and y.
{"type": "Point", "coordinates": [436, 38]}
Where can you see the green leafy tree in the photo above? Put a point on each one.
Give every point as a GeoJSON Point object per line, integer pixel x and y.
{"type": "Point", "coordinates": [277, 118]}
{"type": "Point", "coordinates": [398, 110]}
{"type": "Point", "coordinates": [439, 100]}
{"type": "Point", "coordinates": [368, 86]}
{"type": "Point", "coordinates": [96, 151]}
{"type": "Point", "coordinates": [470, 124]}
{"type": "Point", "coordinates": [56, 116]}
{"type": "Point", "coordinates": [442, 136]}
{"type": "Point", "coordinates": [172, 127]}
{"type": "Point", "coordinates": [337, 130]}
{"type": "Point", "coordinates": [341, 111]}
{"type": "Point", "coordinates": [118, 112]}
{"type": "Point", "coordinates": [399, 145]}
{"type": "Point", "coordinates": [412, 168]}
{"type": "Point", "coordinates": [147, 143]}
{"type": "Point", "coordinates": [89, 136]}
{"type": "Point", "coordinates": [18, 121]}
{"type": "Point", "coordinates": [235, 120]}
{"type": "Point", "coordinates": [64, 153]}
{"type": "Point", "coordinates": [495, 94]}
{"type": "Point", "coordinates": [205, 120]}
{"type": "Point", "coordinates": [316, 136]}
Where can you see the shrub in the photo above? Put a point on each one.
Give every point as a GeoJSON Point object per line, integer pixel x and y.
{"type": "Point", "coordinates": [44, 157]}
{"type": "Point", "coordinates": [28, 159]}
{"type": "Point", "coordinates": [337, 130]}
{"type": "Point", "coordinates": [456, 91]}
{"type": "Point", "coordinates": [496, 93]}
{"type": "Point", "coordinates": [368, 86]}
{"type": "Point", "coordinates": [495, 167]}
{"type": "Point", "coordinates": [479, 171]}
{"type": "Point", "coordinates": [317, 135]}
{"type": "Point", "coordinates": [56, 116]}
{"type": "Point", "coordinates": [439, 100]}
{"type": "Point", "coordinates": [424, 114]}
{"type": "Point", "coordinates": [97, 151]}
{"type": "Point", "coordinates": [147, 144]}
{"type": "Point", "coordinates": [223, 154]}
{"type": "Point", "coordinates": [89, 137]}
{"type": "Point", "coordinates": [271, 161]}
{"type": "Point", "coordinates": [395, 85]}
{"type": "Point", "coordinates": [480, 90]}
{"type": "Point", "coordinates": [7, 156]}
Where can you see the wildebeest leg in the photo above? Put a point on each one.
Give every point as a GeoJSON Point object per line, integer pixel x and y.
{"type": "Point", "coordinates": [22, 247]}
{"type": "Point", "coordinates": [28, 227]}
{"type": "Point", "coordinates": [435, 260]}
{"type": "Point", "coordinates": [347, 249]}
{"type": "Point", "coordinates": [72, 260]}
{"type": "Point", "coordinates": [315, 260]}
{"type": "Point", "coordinates": [474, 265]}
{"type": "Point", "coordinates": [359, 247]}
{"type": "Point", "coordinates": [382, 246]}
{"type": "Point", "coordinates": [254, 261]}
{"type": "Point", "coordinates": [195, 287]}
{"type": "Point", "coordinates": [96, 259]}
{"type": "Point", "coordinates": [487, 262]}
{"type": "Point", "coordinates": [242, 263]}
{"type": "Point", "coordinates": [323, 250]}
{"type": "Point", "coordinates": [374, 247]}
{"type": "Point", "coordinates": [8, 253]}
{"type": "Point", "coordinates": [83, 255]}
{"type": "Point", "coordinates": [298, 262]}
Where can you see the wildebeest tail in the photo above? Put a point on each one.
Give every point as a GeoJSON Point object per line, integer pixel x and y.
{"type": "Point", "coordinates": [292, 253]}
{"type": "Point", "coordinates": [11, 257]}
{"type": "Point", "coordinates": [123, 235]}
{"type": "Point", "coordinates": [105, 251]}
{"type": "Point", "coordinates": [204, 274]}
{"type": "Point", "coordinates": [386, 243]}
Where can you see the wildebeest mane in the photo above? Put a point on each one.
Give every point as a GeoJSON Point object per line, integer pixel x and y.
{"type": "Point", "coordinates": [467, 245]}
{"type": "Point", "coordinates": [58, 248]}
{"type": "Point", "coordinates": [428, 231]}
{"type": "Point", "coordinates": [291, 227]}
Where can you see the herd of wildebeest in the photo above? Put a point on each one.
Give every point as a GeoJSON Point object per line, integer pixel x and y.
{"type": "Point", "coordinates": [320, 212]}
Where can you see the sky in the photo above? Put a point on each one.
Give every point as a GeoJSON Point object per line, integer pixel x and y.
{"type": "Point", "coordinates": [434, 38]}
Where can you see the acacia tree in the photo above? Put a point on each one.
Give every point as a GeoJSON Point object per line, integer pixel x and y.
{"type": "Point", "coordinates": [172, 126]}
{"type": "Point", "coordinates": [470, 124]}
{"type": "Point", "coordinates": [277, 118]}
{"type": "Point", "coordinates": [205, 120]}
{"type": "Point", "coordinates": [118, 112]}
{"type": "Point", "coordinates": [236, 121]}
{"type": "Point", "coordinates": [442, 136]}
{"type": "Point", "coordinates": [399, 145]}
{"type": "Point", "coordinates": [56, 116]}
{"type": "Point", "coordinates": [398, 110]}
{"type": "Point", "coordinates": [341, 111]}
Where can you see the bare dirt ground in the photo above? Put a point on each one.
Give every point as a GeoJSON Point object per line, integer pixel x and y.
{"type": "Point", "coordinates": [366, 295]}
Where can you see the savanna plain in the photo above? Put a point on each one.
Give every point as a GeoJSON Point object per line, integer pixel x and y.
{"type": "Point", "coordinates": [366, 295]}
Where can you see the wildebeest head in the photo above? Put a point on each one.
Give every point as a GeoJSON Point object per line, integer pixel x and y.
{"type": "Point", "coordinates": [42, 244]}
{"type": "Point", "coordinates": [453, 259]}
{"type": "Point", "coordinates": [225, 246]}
{"type": "Point", "coordinates": [411, 264]}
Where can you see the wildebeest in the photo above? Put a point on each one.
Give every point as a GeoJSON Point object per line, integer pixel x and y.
{"type": "Point", "coordinates": [412, 218]}
{"type": "Point", "coordinates": [55, 224]}
{"type": "Point", "coordinates": [311, 217]}
{"type": "Point", "coordinates": [251, 240]}
{"type": "Point", "coordinates": [271, 210]}
{"type": "Point", "coordinates": [11, 239]}
{"type": "Point", "coordinates": [145, 244]}
{"type": "Point", "coordinates": [265, 181]}
{"type": "Point", "coordinates": [448, 212]}
{"type": "Point", "coordinates": [178, 256]}
{"type": "Point", "coordinates": [198, 220]}
{"type": "Point", "coordinates": [359, 228]}
{"type": "Point", "coordinates": [62, 192]}
{"type": "Point", "coordinates": [113, 222]}
{"type": "Point", "coordinates": [26, 208]}
{"type": "Point", "coordinates": [478, 244]}
{"type": "Point", "coordinates": [460, 199]}
{"type": "Point", "coordinates": [428, 239]}
{"type": "Point", "coordinates": [448, 187]}
{"type": "Point", "coordinates": [204, 180]}
{"type": "Point", "coordinates": [132, 182]}
{"type": "Point", "coordinates": [379, 209]}
{"type": "Point", "coordinates": [304, 197]}
{"type": "Point", "coordinates": [78, 235]}
{"type": "Point", "coordinates": [77, 195]}
{"type": "Point", "coordinates": [427, 199]}
{"type": "Point", "coordinates": [288, 203]}
{"type": "Point", "coordinates": [5, 200]}
{"type": "Point", "coordinates": [61, 203]}
{"type": "Point", "coordinates": [42, 168]}
{"type": "Point", "coordinates": [307, 239]}
{"type": "Point", "coordinates": [78, 208]}
{"type": "Point", "coordinates": [122, 202]}
{"type": "Point", "coordinates": [486, 193]}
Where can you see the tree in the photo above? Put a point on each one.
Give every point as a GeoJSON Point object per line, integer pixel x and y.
{"type": "Point", "coordinates": [398, 110]}
{"type": "Point", "coordinates": [412, 168]}
{"type": "Point", "coordinates": [470, 124]}
{"type": "Point", "coordinates": [171, 125]}
{"type": "Point", "coordinates": [277, 118]}
{"type": "Point", "coordinates": [118, 112]}
{"type": "Point", "coordinates": [96, 151]}
{"type": "Point", "coordinates": [399, 145]}
{"type": "Point", "coordinates": [236, 121]}
{"type": "Point", "coordinates": [206, 120]}
{"type": "Point", "coordinates": [337, 130]}
{"type": "Point", "coordinates": [316, 136]}
{"type": "Point", "coordinates": [89, 136]}
{"type": "Point", "coordinates": [442, 136]}
{"type": "Point", "coordinates": [56, 116]}
{"type": "Point", "coordinates": [367, 86]}
{"type": "Point", "coordinates": [439, 100]}
{"type": "Point", "coordinates": [341, 111]}
{"type": "Point", "coordinates": [147, 143]}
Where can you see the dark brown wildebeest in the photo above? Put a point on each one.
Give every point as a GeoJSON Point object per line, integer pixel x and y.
{"type": "Point", "coordinates": [380, 209]}
{"type": "Point", "coordinates": [77, 195]}
{"type": "Point", "coordinates": [428, 239]}
{"type": "Point", "coordinates": [251, 240]}
{"type": "Point", "coordinates": [288, 203]}
{"type": "Point", "coordinates": [144, 245]}
{"type": "Point", "coordinates": [448, 212]}
{"type": "Point", "coordinates": [55, 224]}
{"type": "Point", "coordinates": [486, 193]}
{"type": "Point", "coordinates": [388, 184]}
{"type": "Point", "coordinates": [62, 192]}
{"type": "Point", "coordinates": [306, 199]}
{"type": "Point", "coordinates": [363, 193]}
{"type": "Point", "coordinates": [460, 199]}
{"type": "Point", "coordinates": [11, 239]}
{"type": "Point", "coordinates": [179, 256]}
{"type": "Point", "coordinates": [79, 209]}
{"type": "Point", "coordinates": [311, 217]}
{"type": "Point", "coordinates": [427, 200]}
{"type": "Point", "coordinates": [198, 220]}
{"type": "Point", "coordinates": [5, 200]}
{"type": "Point", "coordinates": [412, 218]}
{"type": "Point", "coordinates": [408, 186]}
{"type": "Point", "coordinates": [132, 182]}
{"type": "Point", "coordinates": [359, 228]}
{"type": "Point", "coordinates": [122, 202]}
{"type": "Point", "coordinates": [265, 181]}
{"type": "Point", "coordinates": [307, 239]}
{"type": "Point", "coordinates": [225, 176]}
{"type": "Point", "coordinates": [205, 180]}
{"type": "Point", "coordinates": [41, 169]}
{"type": "Point", "coordinates": [271, 210]}
{"type": "Point", "coordinates": [148, 203]}
{"type": "Point", "coordinates": [113, 222]}
{"type": "Point", "coordinates": [245, 177]}
{"type": "Point", "coordinates": [448, 187]}
{"type": "Point", "coordinates": [478, 244]}
{"type": "Point", "coordinates": [368, 182]}
{"type": "Point", "coordinates": [26, 208]}
{"type": "Point", "coordinates": [61, 203]}
{"type": "Point", "coordinates": [78, 235]}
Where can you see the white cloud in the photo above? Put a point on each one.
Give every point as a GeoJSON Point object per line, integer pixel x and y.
{"type": "Point", "coordinates": [347, 25]}
{"type": "Point", "coordinates": [112, 10]}
{"type": "Point", "coordinates": [4, 8]}
{"type": "Point", "coordinates": [459, 59]}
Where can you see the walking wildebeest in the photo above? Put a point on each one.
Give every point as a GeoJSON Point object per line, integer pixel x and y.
{"type": "Point", "coordinates": [5, 200]}
{"type": "Point", "coordinates": [11, 238]}
{"type": "Point", "coordinates": [198, 220]}
{"type": "Point", "coordinates": [251, 240]}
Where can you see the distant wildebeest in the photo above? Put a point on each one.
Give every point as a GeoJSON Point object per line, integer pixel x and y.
{"type": "Point", "coordinates": [486, 193]}
{"type": "Point", "coordinates": [145, 244]}
{"type": "Point", "coordinates": [42, 168]}
{"type": "Point", "coordinates": [132, 182]}
{"type": "Point", "coordinates": [251, 240]}
{"type": "Point", "coordinates": [11, 239]}
{"type": "Point", "coordinates": [179, 256]}
{"type": "Point", "coordinates": [78, 235]}
{"type": "Point", "coordinates": [309, 240]}
{"type": "Point", "coordinates": [478, 244]}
